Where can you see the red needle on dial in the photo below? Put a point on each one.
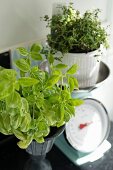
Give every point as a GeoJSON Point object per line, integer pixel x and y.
{"type": "Point", "coordinates": [83, 125]}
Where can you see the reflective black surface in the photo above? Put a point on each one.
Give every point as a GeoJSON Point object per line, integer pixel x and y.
{"type": "Point", "coordinates": [14, 158]}
{"type": "Point", "coordinates": [5, 59]}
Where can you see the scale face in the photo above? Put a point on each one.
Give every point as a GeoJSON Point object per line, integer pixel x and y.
{"type": "Point", "coordinates": [89, 127]}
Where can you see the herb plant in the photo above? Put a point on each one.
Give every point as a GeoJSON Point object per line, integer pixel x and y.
{"type": "Point", "coordinates": [71, 32]}
{"type": "Point", "coordinates": [36, 100]}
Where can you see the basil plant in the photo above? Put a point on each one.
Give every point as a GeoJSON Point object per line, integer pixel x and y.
{"type": "Point", "coordinates": [36, 100]}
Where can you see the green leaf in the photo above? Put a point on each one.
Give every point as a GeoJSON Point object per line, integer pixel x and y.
{"type": "Point", "coordinates": [75, 83]}
{"type": "Point", "coordinates": [43, 127]}
{"type": "Point", "coordinates": [13, 100]}
{"type": "Point", "coordinates": [34, 69]}
{"type": "Point", "coordinates": [13, 111]}
{"type": "Point", "coordinates": [36, 48]}
{"type": "Point", "coordinates": [23, 144]}
{"type": "Point", "coordinates": [61, 66]}
{"type": "Point", "coordinates": [39, 139]}
{"type": "Point", "coordinates": [15, 121]}
{"type": "Point", "coordinates": [2, 106]}
{"type": "Point", "coordinates": [22, 51]}
{"type": "Point", "coordinates": [37, 135]}
{"type": "Point", "coordinates": [71, 84]}
{"type": "Point", "coordinates": [40, 102]}
{"type": "Point", "coordinates": [75, 102]}
{"type": "Point", "coordinates": [52, 80]}
{"type": "Point", "coordinates": [19, 134]}
{"type": "Point", "coordinates": [24, 106]}
{"type": "Point", "coordinates": [67, 116]}
{"type": "Point", "coordinates": [36, 56]}
{"type": "Point", "coordinates": [2, 128]}
{"type": "Point", "coordinates": [62, 111]}
{"type": "Point", "coordinates": [23, 65]}
{"type": "Point", "coordinates": [17, 86]}
{"type": "Point", "coordinates": [26, 91]}
{"type": "Point", "coordinates": [22, 74]}
{"type": "Point", "coordinates": [57, 72]}
{"type": "Point", "coordinates": [25, 124]}
{"type": "Point", "coordinates": [65, 94]}
{"type": "Point", "coordinates": [7, 80]}
{"type": "Point", "coordinates": [50, 58]}
{"type": "Point", "coordinates": [1, 68]}
{"type": "Point", "coordinates": [4, 85]}
{"type": "Point", "coordinates": [8, 75]}
{"type": "Point", "coordinates": [28, 61]}
{"type": "Point", "coordinates": [31, 99]}
{"type": "Point", "coordinates": [51, 115]}
{"type": "Point", "coordinates": [69, 109]}
{"type": "Point", "coordinates": [54, 98]}
{"type": "Point", "coordinates": [7, 91]}
{"type": "Point", "coordinates": [27, 81]}
{"type": "Point", "coordinates": [6, 122]}
{"type": "Point", "coordinates": [73, 69]}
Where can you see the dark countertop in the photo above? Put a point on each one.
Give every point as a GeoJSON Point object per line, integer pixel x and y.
{"type": "Point", "coordinates": [13, 158]}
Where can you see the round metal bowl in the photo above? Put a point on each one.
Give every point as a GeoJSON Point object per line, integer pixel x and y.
{"type": "Point", "coordinates": [104, 73]}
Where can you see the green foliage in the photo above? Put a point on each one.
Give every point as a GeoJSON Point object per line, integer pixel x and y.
{"type": "Point", "coordinates": [71, 32]}
{"type": "Point", "coordinates": [36, 100]}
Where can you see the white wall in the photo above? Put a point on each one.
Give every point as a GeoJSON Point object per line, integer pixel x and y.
{"type": "Point", "coordinates": [20, 22]}
{"type": "Point", "coordinates": [20, 19]}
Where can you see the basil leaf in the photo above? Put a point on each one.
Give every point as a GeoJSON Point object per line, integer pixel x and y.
{"type": "Point", "coordinates": [35, 55]}
{"type": "Point", "coordinates": [69, 109]}
{"type": "Point", "coordinates": [6, 122]}
{"type": "Point", "coordinates": [7, 91]}
{"type": "Point", "coordinates": [13, 100]}
{"type": "Point", "coordinates": [50, 58]}
{"type": "Point", "coordinates": [23, 144]}
{"type": "Point", "coordinates": [39, 139]}
{"type": "Point", "coordinates": [75, 102]}
{"type": "Point", "coordinates": [22, 51]}
{"type": "Point", "coordinates": [43, 127]}
{"type": "Point", "coordinates": [15, 121]}
{"type": "Point", "coordinates": [62, 111]}
{"type": "Point", "coordinates": [23, 65]}
{"type": "Point", "coordinates": [36, 47]}
{"type": "Point", "coordinates": [73, 69]}
{"type": "Point", "coordinates": [75, 83]}
{"type": "Point", "coordinates": [54, 98]}
{"type": "Point", "coordinates": [24, 106]}
{"type": "Point", "coordinates": [65, 94]}
{"type": "Point", "coordinates": [27, 81]}
{"type": "Point", "coordinates": [8, 75]}
{"type": "Point", "coordinates": [61, 66]}
{"type": "Point", "coordinates": [19, 134]}
{"type": "Point", "coordinates": [2, 128]}
{"type": "Point", "coordinates": [57, 72]}
{"type": "Point", "coordinates": [71, 84]}
{"type": "Point", "coordinates": [25, 124]}
{"type": "Point", "coordinates": [52, 80]}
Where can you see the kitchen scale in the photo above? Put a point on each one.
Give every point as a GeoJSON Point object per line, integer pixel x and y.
{"type": "Point", "coordinates": [85, 137]}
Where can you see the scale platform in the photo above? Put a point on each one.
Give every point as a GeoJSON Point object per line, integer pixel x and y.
{"type": "Point", "coordinates": [80, 158]}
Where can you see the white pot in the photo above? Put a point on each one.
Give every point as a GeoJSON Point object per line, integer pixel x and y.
{"type": "Point", "coordinates": [88, 66]}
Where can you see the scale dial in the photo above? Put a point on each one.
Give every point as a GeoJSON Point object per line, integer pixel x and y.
{"type": "Point", "coordinates": [89, 127]}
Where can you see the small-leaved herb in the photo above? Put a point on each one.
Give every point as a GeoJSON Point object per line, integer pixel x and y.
{"type": "Point", "coordinates": [73, 32]}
